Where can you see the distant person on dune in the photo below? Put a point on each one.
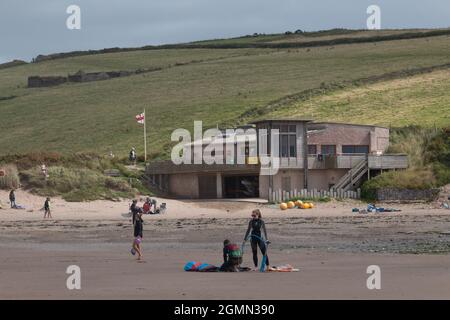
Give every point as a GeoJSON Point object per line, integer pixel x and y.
{"type": "Point", "coordinates": [133, 156]}
{"type": "Point", "coordinates": [47, 212]}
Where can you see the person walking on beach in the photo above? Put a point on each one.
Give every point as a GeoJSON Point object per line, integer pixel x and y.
{"type": "Point", "coordinates": [47, 212]}
{"type": "Point", "coordinates": [255, 226]}
{"type": "Point", "coordinates": [12, 199]}
{"type": "Point", "coordinates": [138, 234]}
{"type": "Point", "coordinates": [135, 210]}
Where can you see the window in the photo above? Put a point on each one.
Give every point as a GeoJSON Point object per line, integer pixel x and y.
{"type": "Point", "coordinates": [288, 140]}
{"type": "Point", "coordinates": [355, 149]}
{"type": "Point", "coordinates": [329, 149]}
{"type": "Point", "coordinates": [312, 149]}
{"type": "Point", "coordinates": [288, 145]}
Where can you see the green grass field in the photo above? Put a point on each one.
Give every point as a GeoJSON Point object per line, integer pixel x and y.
{"type": "Point", "coordinates": [218, 86]}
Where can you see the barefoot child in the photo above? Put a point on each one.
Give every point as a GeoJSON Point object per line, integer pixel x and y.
{"type": "Point", "coordinates": [47, 212]}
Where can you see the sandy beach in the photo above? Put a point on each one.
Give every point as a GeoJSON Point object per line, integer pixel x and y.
{"type": "Point", "coordinates": [330, 245]}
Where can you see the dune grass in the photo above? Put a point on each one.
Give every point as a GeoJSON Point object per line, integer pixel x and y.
{"type": "Point", "coordinates": [76, 184]}
{"type": "Point", "coordinates": [428, 150]}
{"type": "Point", "coordinates": [10, 180]}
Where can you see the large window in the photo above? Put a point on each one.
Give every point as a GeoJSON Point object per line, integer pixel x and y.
{"type": "Point", "coordinates": [288, 140]}
{"type": "Point", "coordinates": [328, 149]}
{"type": "Point", "coordinates": [355, 149]}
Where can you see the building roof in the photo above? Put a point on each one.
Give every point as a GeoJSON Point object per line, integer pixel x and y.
{"type": "Point", "coordinates": [282, 120]}
{"type": "Point", "coordinates": [348, 124]}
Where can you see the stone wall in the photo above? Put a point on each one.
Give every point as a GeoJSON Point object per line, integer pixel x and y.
{"type": "Point", "coordinates": [390, 194]}
{"type": "Point", "coordinates": [80, 76]}
{"type": "Point", "coordinates": [38, 82]}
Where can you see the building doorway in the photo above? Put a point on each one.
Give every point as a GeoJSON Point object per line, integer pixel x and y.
{"type": "Point", "coordinates": [241, 186]}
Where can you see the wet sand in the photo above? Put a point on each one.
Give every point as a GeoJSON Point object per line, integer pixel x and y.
{"type": "Point", "coordinates": [331, 246]}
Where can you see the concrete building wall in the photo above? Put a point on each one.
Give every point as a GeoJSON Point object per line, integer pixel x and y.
{"type": "Point", "coordinates": [295, 177]}
{"type": "Point", "coordinates": [381, 140]}
{"type": "Point", "coordinates": [323, 179]}
{"type": "Point", "coordinates": [184, 185]}
{"type": "Point", "coordinates": [318, 179]}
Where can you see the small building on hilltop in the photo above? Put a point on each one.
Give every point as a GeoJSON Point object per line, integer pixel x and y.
{"type": "Point", "coordinates": [325, 157]}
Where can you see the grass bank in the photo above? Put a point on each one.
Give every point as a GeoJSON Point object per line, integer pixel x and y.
{"type": "Point", "coordinates": [80, 177]}
{"type": "Point", "coordinates": [428, 150]}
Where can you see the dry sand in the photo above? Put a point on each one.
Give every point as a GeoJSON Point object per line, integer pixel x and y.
{"type": "Point", "coordinates": [331, 245]}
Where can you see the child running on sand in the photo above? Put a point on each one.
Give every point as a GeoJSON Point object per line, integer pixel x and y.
{"type": "Point", "coordinates": [47, 212]}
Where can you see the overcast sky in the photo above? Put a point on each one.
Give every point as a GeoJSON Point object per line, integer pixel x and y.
{"type": "Point", "coordinates": [32, 27]}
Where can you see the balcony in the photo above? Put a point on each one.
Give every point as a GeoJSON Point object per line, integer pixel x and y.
{"type": "Point", "coordinates": [348, 161]}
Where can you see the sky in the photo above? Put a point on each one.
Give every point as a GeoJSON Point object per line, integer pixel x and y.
{"type": "Point", "coordinates": [32, 27]}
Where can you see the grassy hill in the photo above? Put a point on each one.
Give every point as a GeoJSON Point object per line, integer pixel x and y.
{"type": "Point", "coordinates": [395, 82]}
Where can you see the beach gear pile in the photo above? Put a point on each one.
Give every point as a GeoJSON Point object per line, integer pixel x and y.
{"type": "Point", "coordinates": [200, 267]}
{"type": "Point", "coordinates": [194, 266]}
{"type": "Point", "coordinates": [374, 209]}
{"type": "Point", "coordinates": [299, 204]}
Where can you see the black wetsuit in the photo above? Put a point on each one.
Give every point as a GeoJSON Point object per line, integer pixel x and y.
{"type": "Point", "coordinates": [46, 206]}
{"type": "Point", "coordinates": [255, 226]}
{"type": "Point", "coordinates": [138, 227]}
{"type": "Point", "coordinates": [134, 211]}
{"type": "Point", "coordinates": [12, 199]}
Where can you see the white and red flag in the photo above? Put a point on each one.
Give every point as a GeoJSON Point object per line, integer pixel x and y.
{"type": "Point", "coordinates": [140, 118]}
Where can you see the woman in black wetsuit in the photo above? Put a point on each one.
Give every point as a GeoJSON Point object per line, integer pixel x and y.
{"type": "Point", "coordinates": [255, 225]}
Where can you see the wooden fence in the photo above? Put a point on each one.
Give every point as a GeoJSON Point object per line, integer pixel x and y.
{"type": "Point", "coordinates": [280, 195]}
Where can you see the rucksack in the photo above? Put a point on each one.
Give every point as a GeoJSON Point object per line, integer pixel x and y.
{"type": "Point", "coordinates": [234, 251]}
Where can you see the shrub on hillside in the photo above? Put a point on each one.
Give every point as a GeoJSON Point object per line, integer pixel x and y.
{"type": "Point", "coordinates": [416, 179]}
{"type": "Point", "coordinates": [438, 155]}
{"type": "Point", "coordinates": [11, 178]}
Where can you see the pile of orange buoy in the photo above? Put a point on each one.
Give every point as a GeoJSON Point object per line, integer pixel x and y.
{"type": "Point", "coordinates": [297, 204]}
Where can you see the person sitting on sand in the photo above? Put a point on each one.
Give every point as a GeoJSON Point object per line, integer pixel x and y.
{"type": "Point", "coordinates": [138, 235]}
{"type": "Point", "coordinates": [47, 213]}
{"type": "Point", "coordinates": [147, 206]}
{"type": "Point", "coordinates": [12, 199]}
{"type": "Point", "coordinates": [232, 257]}
{"type": "Point", "coordinates": [255, 225]}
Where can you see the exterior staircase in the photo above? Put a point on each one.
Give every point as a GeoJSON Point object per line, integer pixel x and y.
{"type": "Point", "coordinates": [351, 179]}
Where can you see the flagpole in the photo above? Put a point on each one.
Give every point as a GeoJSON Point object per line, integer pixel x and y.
{"type": "Point", "coordinates": [145, 138]}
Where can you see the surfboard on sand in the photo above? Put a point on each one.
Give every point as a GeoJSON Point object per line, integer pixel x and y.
{"type": "Point", "coordinates": [283, 268]}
